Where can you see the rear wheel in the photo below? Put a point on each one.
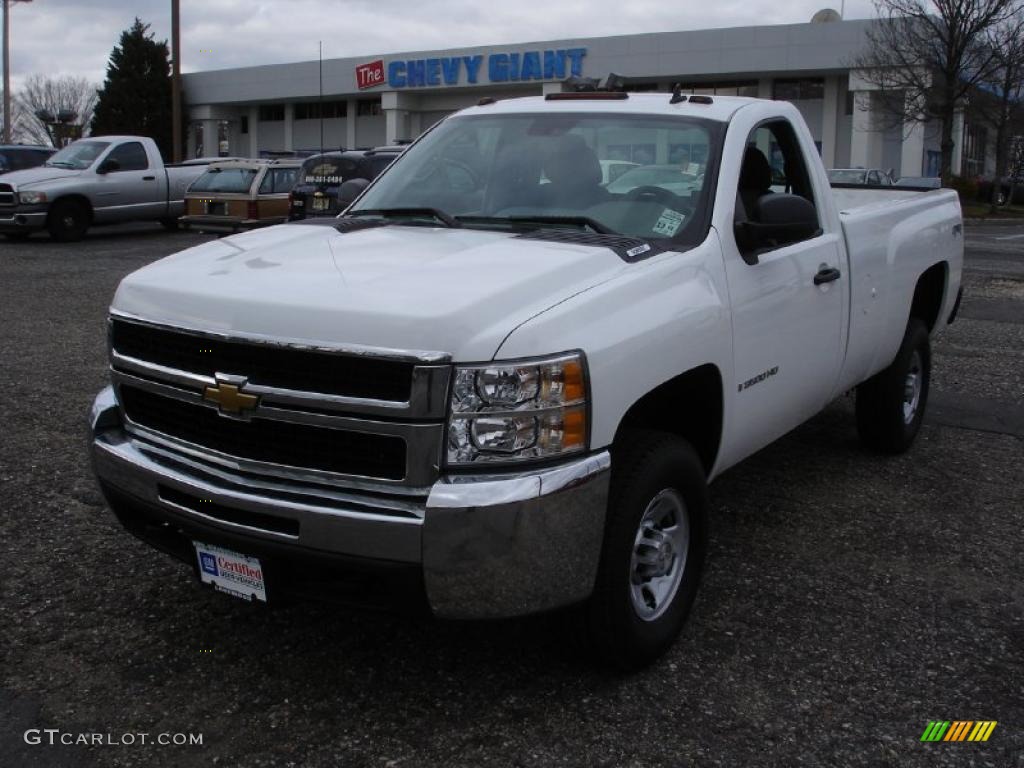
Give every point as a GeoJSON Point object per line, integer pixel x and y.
{"type": "Point", "coordinates": [68, 220]}
{"type": "Point", "coordinates": [655, 540]}
{"type": "Point", "coordinates": [891, 404]}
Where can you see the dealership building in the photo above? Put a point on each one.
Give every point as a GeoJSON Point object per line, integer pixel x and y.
{"type": "Point", "coordinates": [372, 100]}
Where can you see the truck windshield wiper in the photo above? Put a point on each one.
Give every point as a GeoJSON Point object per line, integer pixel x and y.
{"type": "Point", "coordinates": [540, 220]}
{"type": "Point", "coordinates": [435, 213]}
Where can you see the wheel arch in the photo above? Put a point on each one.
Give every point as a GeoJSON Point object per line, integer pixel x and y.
{"type": "Point", "coordinates": [73, 197]}
{"type": "Point", "coordinates": [690, 405]}
{"type": "Point", "coordinates": [929, 294]}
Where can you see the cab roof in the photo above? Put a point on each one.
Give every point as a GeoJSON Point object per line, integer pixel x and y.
{"type": "Point", "coordinates": [721, 108]}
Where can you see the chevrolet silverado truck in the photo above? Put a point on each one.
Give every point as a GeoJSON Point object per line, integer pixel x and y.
{"type": "Point", "coordinates": [493, 387]}
{"type": "Point", "coordinates": [98, 180]}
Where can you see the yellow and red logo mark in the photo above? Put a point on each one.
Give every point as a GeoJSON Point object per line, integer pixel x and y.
{"type": "Point", "coordinates": [958, 730]}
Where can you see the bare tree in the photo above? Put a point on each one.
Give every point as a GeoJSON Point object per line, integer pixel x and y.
{"type": "Point", "coordinates": [925, 56]}
{"type": "Point", "coordinates": [17, 119]}
{"type": "Point", "coordinates": [53, 96]}
{"type": "Point", "coordinates": [999, 98]}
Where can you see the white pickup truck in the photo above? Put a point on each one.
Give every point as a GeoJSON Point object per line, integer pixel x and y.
{"type": "Point", "coordinates": [494, 387]}
{"type": "Point", "coordinates": [98, 180]}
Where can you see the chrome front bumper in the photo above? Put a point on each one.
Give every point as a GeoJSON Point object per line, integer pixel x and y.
{"type": "Point", "coordinates": [28, 220]}
{"type": "Point", "coordinates": [488, 546]}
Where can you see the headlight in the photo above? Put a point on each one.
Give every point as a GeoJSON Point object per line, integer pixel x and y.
{"type": "Point", "coordinates": [32, 198]}
{"type": "Point", "coordinates": [518, 410]}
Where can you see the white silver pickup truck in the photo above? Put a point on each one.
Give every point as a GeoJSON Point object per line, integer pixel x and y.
{"type": "Point", "coordinates": [98, 180]}
{"type": "Point", "coordinates": [494, 387]}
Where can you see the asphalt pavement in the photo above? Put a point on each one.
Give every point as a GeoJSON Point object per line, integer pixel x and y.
{"type": "Point", "coordinates": [848, 599]}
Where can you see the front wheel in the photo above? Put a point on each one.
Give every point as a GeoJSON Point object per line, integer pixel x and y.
{"type": "Point", "coordinates": [68, 220]}
{"type": "Point", "coordinates": [655, 541]}
{"type": "Point", "coordinates": [890, 405]}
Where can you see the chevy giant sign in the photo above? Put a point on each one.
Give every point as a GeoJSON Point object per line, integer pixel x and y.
{"type": "Point", "coordinates": [455, 70]}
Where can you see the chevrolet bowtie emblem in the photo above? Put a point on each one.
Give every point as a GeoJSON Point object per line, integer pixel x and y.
{"type": "Point", "coordinates": [230, 398]}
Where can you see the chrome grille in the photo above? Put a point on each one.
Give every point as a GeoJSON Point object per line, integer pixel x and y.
{"type": "Point", "coordinates": [354, 435]}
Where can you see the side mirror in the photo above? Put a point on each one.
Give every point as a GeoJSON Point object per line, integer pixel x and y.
{"type": "Point", "coordinates": [776, 220]}
{"type": "Point", "coordinates": [108, 165]}
{"type": "Point", "coordinates": [350, 190]}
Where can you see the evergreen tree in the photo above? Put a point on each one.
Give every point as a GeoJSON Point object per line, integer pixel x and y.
{"type": "Point", "coordinates": [136, 96]}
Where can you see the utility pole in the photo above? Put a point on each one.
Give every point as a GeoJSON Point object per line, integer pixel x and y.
{"type": "Point", "coordinates": [175, 82]}
{"type": "Point", "coordinates": [320, 100]}
{"type": "Point", "coordinates": [7, 67]}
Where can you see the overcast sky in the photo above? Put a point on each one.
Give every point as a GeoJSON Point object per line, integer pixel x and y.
{"type": "Point", "coordinates": [56, 37]}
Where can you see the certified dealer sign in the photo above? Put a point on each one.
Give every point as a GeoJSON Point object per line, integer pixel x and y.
{"type": "Point", "coordinates": [456, 70]}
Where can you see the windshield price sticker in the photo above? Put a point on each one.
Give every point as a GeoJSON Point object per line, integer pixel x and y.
{"type": "Point", "coordinates": [669, 223]}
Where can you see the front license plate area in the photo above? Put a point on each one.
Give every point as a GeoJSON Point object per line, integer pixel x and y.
{"type": "Point", "coordinates": [230, 572]}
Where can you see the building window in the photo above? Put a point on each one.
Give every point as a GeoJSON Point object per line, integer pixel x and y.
{"type": "Point", "coordinates": [798, 90]}
{"type": "Point", "coordinates": [641, 87]}
{"type": "Point", "coordinates": [368, 107]}
{"type": "Point", "coordinates": [744, 88]}
{"type": "Point", "coordinates": [243, 124]}
{"type": "Point", "coordinates": [975, 137]}
{"type": "Point", "coordinates": [270, 113]}
{"type": "Point", "coordinates": [310, 110]}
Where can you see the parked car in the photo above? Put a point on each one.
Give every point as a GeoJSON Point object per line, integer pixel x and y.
{"type": "Point", "coordinates": [485, 396]}
{"type": "Point", "coordinates": [612, 169]}
{"type": "Point", "coordinates": [17, 157]}
{"type": "Point", "coordinates": [93, 181]}
{"type": "Point", "coordinates": [671, 177]}
{"type": "Point", "coordinates": [318, 192]}
{"type": "Point", "coordinates": [240, 194]}
{"type": "Point", "coordinates": [866, 176]}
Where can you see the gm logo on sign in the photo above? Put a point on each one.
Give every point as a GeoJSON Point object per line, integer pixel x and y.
{"type": "Point", "coordinates": [370, 75]}
{"type": "Point", "coordinates": [209, 563]}
{"type": "Point", "coordinates": [958, 730]}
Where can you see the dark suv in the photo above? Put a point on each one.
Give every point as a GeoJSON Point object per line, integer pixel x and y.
{"type": "Point", "coordinates": [323, 188]}
{"type": "Point", "coordinates": [15, 157]}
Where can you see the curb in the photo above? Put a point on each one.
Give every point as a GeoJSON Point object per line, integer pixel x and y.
{"type": "Point", "coordinates": [995, 220]}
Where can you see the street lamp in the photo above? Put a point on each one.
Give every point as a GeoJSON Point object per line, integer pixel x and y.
{"type": "Point", "coordinates": [7, 67]}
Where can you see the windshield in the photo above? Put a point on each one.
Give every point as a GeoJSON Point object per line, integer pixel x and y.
{"type": "Point", "coordinates": [224, 180]}
{"type": "Point", "coordinates": [79, 155]}
{"type": "Point", "coordinates": [529, 170]}
{"type": "Point", "coordinates": [842, 176]}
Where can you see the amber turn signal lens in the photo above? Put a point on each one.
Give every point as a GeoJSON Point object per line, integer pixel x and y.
{"type": "Point", "coordinates": [574, 429]}
{"type": "Point", "coordinates": [572, 377]}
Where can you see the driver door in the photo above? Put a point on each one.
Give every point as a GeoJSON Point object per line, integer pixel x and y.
{"type": "Point", "coordinates": [787, 322]}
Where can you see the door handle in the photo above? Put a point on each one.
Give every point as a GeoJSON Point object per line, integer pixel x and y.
{"type": "Point", "coordinates": [149, 178]}
{"type": "Point", "coordinates": [826, 275]}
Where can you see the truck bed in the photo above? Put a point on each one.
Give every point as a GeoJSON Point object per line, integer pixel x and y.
{"type": "Point", "coordinates": [889, 233]}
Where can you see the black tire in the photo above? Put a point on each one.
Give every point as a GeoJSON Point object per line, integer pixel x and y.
{"type": "Point", "coordinates": [68, 221]}
{"type": "Point", "coordinates": [646, 465]}
{"type": "Point", "coordinates": [171, 225]}
{"type": "Point", "coordinates": [889, 415]}
{"type": "Point", "coordinates": [18, 237]}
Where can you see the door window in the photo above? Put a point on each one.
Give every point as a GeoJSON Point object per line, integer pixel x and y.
{"type": "Point", "coordinates": [279, 181]}
{"type": "Point", "coordinates": [130, 156]}
{"type": "Point", "coordinates": [773, 165]}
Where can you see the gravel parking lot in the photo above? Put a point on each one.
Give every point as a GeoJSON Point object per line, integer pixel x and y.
{"type": "Point", "coordinates": [848, 599]}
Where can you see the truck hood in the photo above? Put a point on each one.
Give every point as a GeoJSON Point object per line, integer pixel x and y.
{"type": "Point", "coordinates": [452, 291]}
{"type": "Point", "coordinates": [33, 177]}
